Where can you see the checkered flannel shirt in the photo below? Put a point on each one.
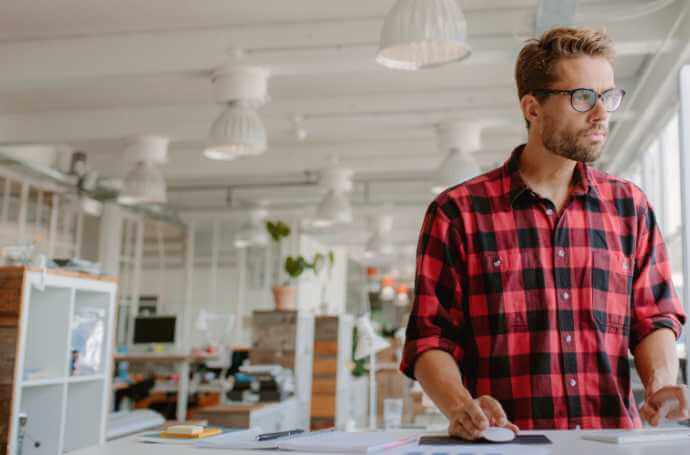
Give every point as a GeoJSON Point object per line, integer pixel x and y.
{"type": "Point", "coordinates": [540, 309]}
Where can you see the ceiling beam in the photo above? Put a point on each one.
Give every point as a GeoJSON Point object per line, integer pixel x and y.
{"type": "Point", "coordinates": [293, 48]}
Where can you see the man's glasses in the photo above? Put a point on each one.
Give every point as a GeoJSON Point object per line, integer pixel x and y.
{"type": "Point", "coordinates": [584, 99]}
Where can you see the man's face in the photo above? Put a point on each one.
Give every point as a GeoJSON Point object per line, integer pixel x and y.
{"type": "Point", "coordinates": [579, 136]}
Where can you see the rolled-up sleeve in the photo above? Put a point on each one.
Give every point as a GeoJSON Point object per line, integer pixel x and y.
{"type": "Point", "coordinates": [436, 315]}
{"type": "Point", "coordinates": [655, 304]}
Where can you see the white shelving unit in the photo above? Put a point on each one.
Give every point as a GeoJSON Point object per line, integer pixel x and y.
{"type": "Point", "coordinates": [66, 408]}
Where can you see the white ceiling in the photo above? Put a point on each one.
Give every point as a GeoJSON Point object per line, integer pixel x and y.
{"type": "Point", "coordinates": [89, 73]}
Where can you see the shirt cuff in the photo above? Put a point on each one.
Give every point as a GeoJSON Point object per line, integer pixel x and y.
{"type": "Point", "coordinates": [642, 328]}
{"type": "Point", "coordinates": [415, 348]}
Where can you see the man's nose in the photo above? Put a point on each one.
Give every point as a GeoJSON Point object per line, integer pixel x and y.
{"type": "Point", "coordinates": [599, 114]}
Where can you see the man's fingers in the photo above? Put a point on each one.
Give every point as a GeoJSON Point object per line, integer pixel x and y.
{"type": "Point", "coordinates": [462, 427]}
{"type": "Point", "coordinates": [512, 427]}
{"type": "Point", "coordinates": [494, 410]}
{"type": "Point", "coordinates": [646, 413]}
{"type": "Point", "coordinates": [479, 419]}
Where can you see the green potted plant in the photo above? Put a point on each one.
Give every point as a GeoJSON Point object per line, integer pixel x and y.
{"type": "Point", "coordinates": [294, 267]}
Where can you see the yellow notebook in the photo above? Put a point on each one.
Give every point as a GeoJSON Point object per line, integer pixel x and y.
{"type": "Point", "coordinates": [204, 434]}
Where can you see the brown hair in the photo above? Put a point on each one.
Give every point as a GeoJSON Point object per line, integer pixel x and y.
{"type": "Point", "coordinates": [536, 65]}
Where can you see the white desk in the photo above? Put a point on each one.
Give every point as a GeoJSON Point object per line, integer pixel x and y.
{"type": "Point", "coordinates": [183, 361]}
{"type": "Point", "coordinates": [564, 443]}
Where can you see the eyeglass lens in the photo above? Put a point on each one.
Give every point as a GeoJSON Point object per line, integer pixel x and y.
{"type": "Point", "coordinates": [584, 99]}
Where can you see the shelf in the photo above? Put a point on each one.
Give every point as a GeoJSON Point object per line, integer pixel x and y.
{"type": "Point", "coordinates": [43, 407]}
{"type": "Point", "coordinates": [89, 330]}
{"type": "Point", "coordinates": [48, 331]}
{"type": "Point", "coordinates": [84, 414]}
{"type": "Point", "coordinates": [69, 380]}
{"type": "Point", "coordinates": [89, 378]}
{"type": "Point", "coordinates": [43, 382]}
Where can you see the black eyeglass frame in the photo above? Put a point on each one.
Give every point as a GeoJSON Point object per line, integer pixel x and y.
{"type": "Point", "coordinates": [571, 93]}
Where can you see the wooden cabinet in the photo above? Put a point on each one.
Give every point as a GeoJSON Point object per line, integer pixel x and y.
{"type": "Point", "coordinates": [330, 399]}
{"type": "Point", "coordinates": [286, 338]}
{"type": "Point", "coordinates": [56, 332]}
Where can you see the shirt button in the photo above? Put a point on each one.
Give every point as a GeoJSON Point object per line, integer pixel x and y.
{"type": "Point", "coordinates": [561, 253]}
{"type": "Point", "coordinates": [549, 212]}
{"type": "Point", "coordinates": [625, 266]}
{"type": "Point", "coordinates": [497, 263]}
{"type": "Point", "coordinates": [573, 383]}
{"type": "Point", "coordinates": [568, 338]}
{"type": "Point", "coordinates": [566, 296]}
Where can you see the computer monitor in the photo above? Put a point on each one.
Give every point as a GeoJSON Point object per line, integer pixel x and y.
{"type": "Point", "coordinates": [154, 329]}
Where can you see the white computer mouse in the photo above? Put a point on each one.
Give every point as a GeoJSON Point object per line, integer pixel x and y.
{"type": "Point", "coordinates": [498, 434]}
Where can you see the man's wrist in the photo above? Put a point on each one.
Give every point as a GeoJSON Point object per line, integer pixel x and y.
{"type": "Point", "coordinates": [655, 385]}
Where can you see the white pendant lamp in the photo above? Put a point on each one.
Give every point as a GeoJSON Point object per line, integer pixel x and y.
{"type": "Point", "coordinates": [253, 232]}
{"type": "Point", "coordinates": [379, 243]}
{"type": "Point", "coordinates": [238, 131]}
{"type": "Point", "coordinates": [144, 183]}
{"type": "Point", "coordinates": [335, 207]}
{"type": "Point", "coordinates": [459, 140]}
{"type": "Point", "coordinates": [420, 34]}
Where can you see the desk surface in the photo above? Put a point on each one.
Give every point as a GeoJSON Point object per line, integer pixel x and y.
{"type": "Point", "coordinates": [564, 443]}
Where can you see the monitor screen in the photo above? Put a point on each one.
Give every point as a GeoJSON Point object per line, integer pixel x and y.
{"type": "Point", "coordinates": [154, 329]}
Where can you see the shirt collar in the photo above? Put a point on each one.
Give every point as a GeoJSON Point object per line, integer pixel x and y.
{"type": "Point", "coordinates": [514, 186]}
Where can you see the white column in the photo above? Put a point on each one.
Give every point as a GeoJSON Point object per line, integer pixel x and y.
{"type": "Point", "coordinates": [189, 292]}
{"type": "Point", "coordinates": [684, 128]}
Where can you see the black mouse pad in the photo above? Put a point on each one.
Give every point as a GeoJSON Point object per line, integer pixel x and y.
{"type": "Point", "coordinates": [524, 439]}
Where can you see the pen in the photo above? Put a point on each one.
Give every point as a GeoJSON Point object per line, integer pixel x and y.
{"type": "Point", "coordinates": [279, 434]}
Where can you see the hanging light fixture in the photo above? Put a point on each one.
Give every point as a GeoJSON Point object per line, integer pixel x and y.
{"type": "Point", "coordinates": [253, 232]}
{"type": "Point", "coordinates": [335, 207]}
{"type": "Point", "coordinates": [380, 243]}
{"type": "Point", "coordinates": [459, 140]}
{"type": "Point", "coordinates": [238, 131]}
{"type": "Point", "coordinates": [420, 34]}
{"type": "Point", "coordinates": [144, 183]}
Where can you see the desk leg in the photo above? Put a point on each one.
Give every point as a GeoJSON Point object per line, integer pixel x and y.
{"type": "Point", "coordinates": [182, 391]}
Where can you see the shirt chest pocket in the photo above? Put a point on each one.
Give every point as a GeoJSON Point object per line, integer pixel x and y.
{"type": "Point", "coordinates": [612, 279]}
{"type": "Point", "coordinates": [496, 293]}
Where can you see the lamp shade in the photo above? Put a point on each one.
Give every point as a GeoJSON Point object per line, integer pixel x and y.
{"type": "Point", "coordinates": [252, 232]}
{"type": "Point", "coordinates": [237, 132]}
{"type": "Point", "coordinates": [144, 184]}
{"type": "Point", "coordinates": [334, 208]}
{"type": "Point", "coordinates": [420, 34]}
{"type": "Point", "coordinates": [455, 169]}
{"type": "Point", "coordinates": [368, 341]}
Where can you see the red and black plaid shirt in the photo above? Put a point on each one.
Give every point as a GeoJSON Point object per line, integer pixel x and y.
{"type": "Point", "coordinates": [539, 309]}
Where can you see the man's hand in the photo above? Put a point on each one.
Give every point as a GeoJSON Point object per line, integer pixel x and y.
{"type": "Point", "coordinates": [650, 410]}
{"type": "Point", "coordinates": [474, 416]}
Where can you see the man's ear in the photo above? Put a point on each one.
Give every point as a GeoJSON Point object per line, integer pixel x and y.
{"type": "Point", "coordinates": [531, 109]}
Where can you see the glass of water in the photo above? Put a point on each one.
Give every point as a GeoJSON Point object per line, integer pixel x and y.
{"type": "Point", "coordinates": [392, 413]}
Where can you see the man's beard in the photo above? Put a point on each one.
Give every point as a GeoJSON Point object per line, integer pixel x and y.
{"type": "Point", "coordinates": [573, 145]}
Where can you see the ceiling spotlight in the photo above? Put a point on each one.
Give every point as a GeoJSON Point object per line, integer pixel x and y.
{"type": "Point", "coordinates": [420, 34]}
{"type": "Point", "coordinates": [335, 207]}
{"type": "Point", "coordinates": [459, 140]}
{"type": "Point", "coordinates": [379, 243]}
{"type": "Point", "coordinates": [238, 131]}
{"type": "Point", "coordinates": [253, 231]}
{"type": "Point", "coordinates": [144, 183]}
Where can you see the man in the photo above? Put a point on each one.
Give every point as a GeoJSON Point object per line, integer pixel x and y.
{"type": "Point", "coordinates": [535, 280]}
